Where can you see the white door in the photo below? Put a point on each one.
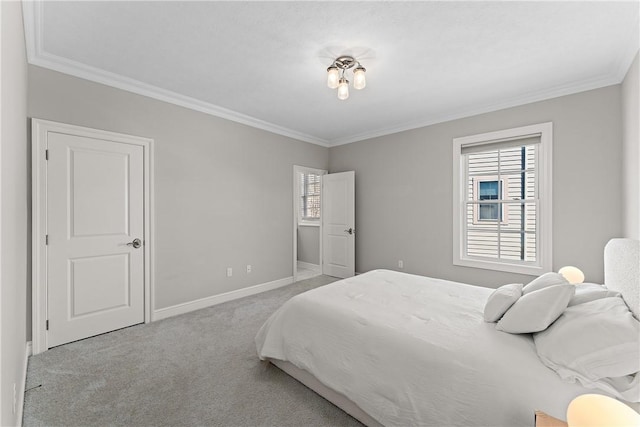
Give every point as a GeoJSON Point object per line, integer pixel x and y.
{"type": "Point", "coordinates": [338, 220]}
{"type": "Point", "coordinates": [95, 227]}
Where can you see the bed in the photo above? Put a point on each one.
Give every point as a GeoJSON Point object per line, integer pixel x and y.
{"type": "Point", "coordinates": [392, 348]}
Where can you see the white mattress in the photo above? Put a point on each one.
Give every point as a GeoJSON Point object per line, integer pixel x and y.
{"type": "Point", "coordinates": [411, 350]}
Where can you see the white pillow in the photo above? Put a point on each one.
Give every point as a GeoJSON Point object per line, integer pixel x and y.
{"type": "Point", "coordinates": [536, 310]}
{"type": "Point", "coordinates": [597, 343]}
{"type": "Point", "coordinates": [586, 292]}
{"type": "Point", "coordinates": [500, 300]}
{"type": "Point", "coordinates": [544, 281]}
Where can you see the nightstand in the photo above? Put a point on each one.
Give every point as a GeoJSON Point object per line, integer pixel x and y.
{"type": "Point", "coordinates": [544, 420]}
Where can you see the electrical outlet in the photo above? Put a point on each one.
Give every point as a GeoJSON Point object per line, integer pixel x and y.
{"type": "Point", "coordinates": [15, 398]}
{"type": "Point", "coordinates": [229, 271]}
{"type": "Point", "coordinates": [248, 268]}
{"type": "Point", "coordinates": [400, 264]}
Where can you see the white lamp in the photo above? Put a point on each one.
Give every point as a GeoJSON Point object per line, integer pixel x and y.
{"type": "Point", "coordinates": [595, 410]}
{"type": "Point", "coordinates": [343, 89]}
{"type": "Point", "coordinates": [332, 76]}
{"type": "Point", "coordinates": [336, 75]}
{"type": "Point", "coordinates": [359, 80]}
{"type": "Point", "coordinates": [573, 274]}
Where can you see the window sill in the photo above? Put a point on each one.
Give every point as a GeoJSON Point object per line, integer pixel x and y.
{"type": "Point", "coordinates": [308, 224]}
{"type": "Point", "coordinates": [531, 270]}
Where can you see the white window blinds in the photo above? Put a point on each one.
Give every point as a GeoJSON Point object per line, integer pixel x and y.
{"type": "Point", "coordinates": [310, 197]}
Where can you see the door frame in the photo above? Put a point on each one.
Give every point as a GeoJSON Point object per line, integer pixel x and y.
{"type": "Point", "coordinates": [39, 130]}
{"type": "Point", "coordinates": [296, 207]}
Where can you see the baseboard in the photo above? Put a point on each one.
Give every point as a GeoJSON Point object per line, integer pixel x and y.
{"type": "Point", "coordinates": [23, 384]}
{"type": "Point", "coordinates": [186, 307]}
{"type": "Point", "coordinates": [309, 266]}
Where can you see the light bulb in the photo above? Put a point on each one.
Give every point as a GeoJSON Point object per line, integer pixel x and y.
{"type": "Point", "coordinates": [332, 77]}
{"type": "Point", "coordinates": [359, 81]}
{"type": "Point", "coordinates": [343, 89]}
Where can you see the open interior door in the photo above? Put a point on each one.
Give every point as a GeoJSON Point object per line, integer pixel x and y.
{"type": "Point", "coordinates": [338, 220]}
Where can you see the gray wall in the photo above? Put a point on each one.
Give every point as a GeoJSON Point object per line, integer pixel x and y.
{"type": "Point", "coordinates": [14, 203]}
{"type": "Point", "coordinates": [404, 188]}
{"type": "Point", "coordinates": [631, 144]}
{"type": "Point", "coordinates": [223, 191]}
{"type": "Point", "coordinates": [309, 244]}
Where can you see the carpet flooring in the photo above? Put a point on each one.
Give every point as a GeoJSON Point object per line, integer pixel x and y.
{"type": "Point", "coordinates": [196, 369]}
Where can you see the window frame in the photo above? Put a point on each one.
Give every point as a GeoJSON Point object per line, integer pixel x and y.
{"type": "Point", "coordinates": [544, 179]}
{"type": "Point", "coordinates": [298, 219]}
{"type": "Point", "coordinates": [504, 213]}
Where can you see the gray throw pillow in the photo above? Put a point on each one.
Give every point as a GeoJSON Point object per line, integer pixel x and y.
{"type": "Point", "coordinates": [500, 301]}
{"type": "Point", "coordinates": [544, 281]}
{"type": "Point", "coordinates": [535, 311]}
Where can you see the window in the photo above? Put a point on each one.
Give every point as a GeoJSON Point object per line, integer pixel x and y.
{"type": "Point", "coordinates": [310, 197]}
{"type": "Point", "coordinates": [488, 188]}
{"type": "Point", "coordinates": [502, 200]}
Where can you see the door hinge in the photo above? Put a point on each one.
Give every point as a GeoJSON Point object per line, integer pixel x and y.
{"type": "Point", "coordinates": [46, 154]}
{"type": "Point", "coordinates": [47, 325]}
{"type": "Point", "coordinates": [46, 239]}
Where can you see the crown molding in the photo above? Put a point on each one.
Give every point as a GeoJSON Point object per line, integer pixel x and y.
{"type": "Point", "coordinates": [86, 72]}
{"type": "Point", "coordinates": [83, 71]}
{"type": "Point", "coordinates": [632, 49]}
{"type": "Point", "coordinates": [32, 15]}
{"type": "Point", "coordinates": [609, 79]}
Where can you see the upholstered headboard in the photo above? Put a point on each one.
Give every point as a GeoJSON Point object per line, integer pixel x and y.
{"type": "Point", "coordinates": [622, 270]}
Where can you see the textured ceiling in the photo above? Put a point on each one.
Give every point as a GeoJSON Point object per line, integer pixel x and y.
{"type": "Point", "coordinates": [263, 63]}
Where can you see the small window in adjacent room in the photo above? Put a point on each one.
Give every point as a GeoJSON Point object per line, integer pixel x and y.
{"type": "Point", "coordinates": [310, 197]}
{"type": "Point", "coordinates": [491, 189]}
{"type": "Point", "coordinates": [502, 200]}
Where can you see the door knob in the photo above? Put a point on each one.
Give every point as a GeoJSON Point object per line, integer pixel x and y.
{"type": "Point", "coordinates": [136, 243]}
{"type": "Point", "coordinates": [350, 231]}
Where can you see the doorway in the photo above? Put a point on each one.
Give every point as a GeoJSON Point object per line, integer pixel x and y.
{"type": "Point", "coordinates": [307, 222]}
{"type": "Point", "coordinates": [91, 232]}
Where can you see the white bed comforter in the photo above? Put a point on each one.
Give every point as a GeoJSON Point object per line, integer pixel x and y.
{"type": "Point", "coordinates": [411, 350]}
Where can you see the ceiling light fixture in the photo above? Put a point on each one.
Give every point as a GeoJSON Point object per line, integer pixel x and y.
{"type": "Point", "coordinates": [336, 75]}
